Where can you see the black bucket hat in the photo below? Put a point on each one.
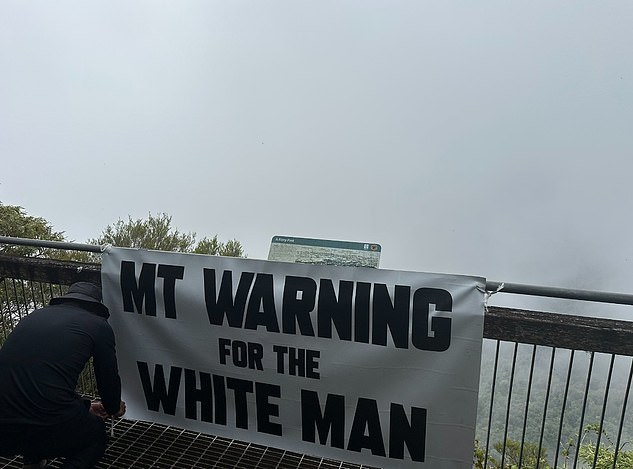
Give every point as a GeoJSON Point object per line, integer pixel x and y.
{"type": "Point", "coordinates": [86, 292]}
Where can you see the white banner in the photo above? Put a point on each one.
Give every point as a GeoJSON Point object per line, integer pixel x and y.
{"type": "Point", "coordinates": [363, 365]}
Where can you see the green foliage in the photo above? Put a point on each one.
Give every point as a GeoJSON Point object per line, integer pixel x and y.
{"type": "Point", "coordinates": [516, 455]}
{"type": "Point", "coordinates": [19, 296]}
{"type": "Point", "coordinates": [606, 452]}
{"type": "Point", "coordinates": [157, 233]}
{"type": "Point", "coordinates": [524, 456]}
{"type": "Point", "coordinates": [479, 457]}
{"type": "Point", "coordinates": [15, 222]}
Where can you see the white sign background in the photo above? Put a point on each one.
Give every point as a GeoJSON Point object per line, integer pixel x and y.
{"type": "Point", "coordinates": [444, 383]}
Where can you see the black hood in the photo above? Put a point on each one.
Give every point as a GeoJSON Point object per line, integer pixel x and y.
{"type": "Point", "coordinates": [86, 293]}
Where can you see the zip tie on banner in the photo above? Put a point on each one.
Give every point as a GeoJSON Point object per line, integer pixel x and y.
{"type": "Point", "coordinates": [105, 247]}
{"type": "Point", "coordinates": [488, 294]}
{"type": "Point", "coordinates": [111, 427]}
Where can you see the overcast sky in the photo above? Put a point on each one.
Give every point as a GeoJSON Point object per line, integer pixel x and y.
{"type": "Point", "coordinates": [488, 138]}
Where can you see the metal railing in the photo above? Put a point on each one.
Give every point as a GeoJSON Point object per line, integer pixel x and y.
{"type": "Point", "coordinates": [554, 389]}
{"type": "Point", "coordinates": [18, 297]}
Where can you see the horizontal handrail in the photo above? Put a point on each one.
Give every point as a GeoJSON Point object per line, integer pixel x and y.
{"type": "Point", "coordinates": [491, 286]}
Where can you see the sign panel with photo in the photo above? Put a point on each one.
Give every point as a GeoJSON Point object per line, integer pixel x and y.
{"type": "Point", "coordinates": [324, 252]}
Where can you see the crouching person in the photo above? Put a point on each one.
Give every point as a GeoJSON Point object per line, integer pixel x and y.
{"type": "Point", "coordinates": [41, 416]}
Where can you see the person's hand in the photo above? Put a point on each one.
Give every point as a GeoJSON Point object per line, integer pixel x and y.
{"type": "Point", "coordinates": [96, 408]}
{"type": "Point", "coordinates": [121, 411]}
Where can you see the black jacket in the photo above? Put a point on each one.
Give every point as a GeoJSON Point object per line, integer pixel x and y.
{"type": "Point", "coordinates": [42, 358]}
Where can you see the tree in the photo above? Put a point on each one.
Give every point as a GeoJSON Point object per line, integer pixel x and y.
{"type": "Point", "coordinates": [156, 232]}
{"type": "Point", "coordinates": [20, 296]}
{"type": "Point", "coordinates": [517, 456]}
{"type": "Point", "coordinates": [606, 452]}
{"type": "Point", "coordinates": [15, 222]}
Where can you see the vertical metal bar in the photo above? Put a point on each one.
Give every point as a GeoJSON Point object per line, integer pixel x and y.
{"type": "Point", "coordinates": [624, 404]}
{"type": "Point", "coordinates": [24, 300]}
{"type": "Point", "coordinates": [505, 431]}
{"type": "Point", "coordinates": [5, 319]}
{"type": "Point", "coordinates": [40, 290]}
{"type": "Point", "coordinates": [44, 298]}
{"type": "Point", "coordinates": [492, 400]}
{"type": "Point", "coordinates": [17, 303]}
{"type": "Point", "coordinates": [31, 290]}
{"type": "Point", "coordinates": [604, 409]}
{"type": "Point", "coordinates": [562, 413]}
{"type": "Point", "coordinates": [50, 290]}
{"type": "Point", "coordinates": [549, 386]}
{"type": "Point", "coordinates": [527, 405]}
{"type": "Point", "coordinates": [584, 409]}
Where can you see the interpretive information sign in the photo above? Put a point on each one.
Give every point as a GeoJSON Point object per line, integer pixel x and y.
{"type": "Point", "coordinates": [357, 364]}
{"type": "Point", "coordinates": [324, 252]}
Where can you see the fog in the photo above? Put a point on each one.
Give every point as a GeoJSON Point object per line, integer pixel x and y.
{"type": "Point", "coordinates": [483, 139]}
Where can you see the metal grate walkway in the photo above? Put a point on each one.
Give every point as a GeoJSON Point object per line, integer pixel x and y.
{"type": "Point", "coordinates": [149, 445]}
